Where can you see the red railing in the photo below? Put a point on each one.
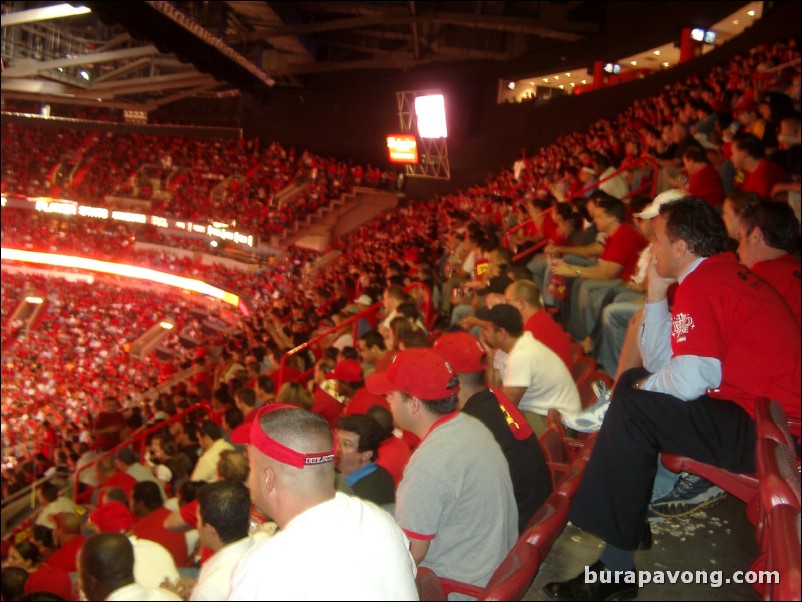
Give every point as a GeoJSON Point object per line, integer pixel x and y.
{"type": "Point", "coordinates": [342, 325]}
{"type": "Point", "coordinates": [529, 250]}
{"type": "Point", "coordinates": [650, 185]}
{"type": "Point", "coordinates": [132, 442]}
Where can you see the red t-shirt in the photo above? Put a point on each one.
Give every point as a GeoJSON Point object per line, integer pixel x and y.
{"type": "Point", "coordinates": [123, 480]}
{"type": "Point", "coordinates": [762, 180]}
{"type": "Point", "coordinates": [783, 274]}
{"type": "Point", "coordinates": [724, 311]}
{"type": "Point", "coordinates": [152, 527]}
{"type": "Point", "coordinates": [65, 557]}
{"type": "Point", "coordinates": [546, 330]}
{"type": "Point", "coordinates": [623, 248]}
{"type": "Point", "coordinates": [189, 512]}
{"type": "Point", "coordinates": [326, 406]}
{"type": "Point", "coordinates": [706, 184]}
{"type": "Point", "coordinates": [549, 227]}
{"type": "Point", "coordinates": [287, 374]}
{"type": "Point", "coordinates": [394, 453]}
{"type": "Point", "coordinates": [242, 431]}
{"type": "Point", "coordinates": [364, 400]}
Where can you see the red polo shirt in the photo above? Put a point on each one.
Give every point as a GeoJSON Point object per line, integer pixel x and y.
{"type": "Point", "coordinates": [546, 330]}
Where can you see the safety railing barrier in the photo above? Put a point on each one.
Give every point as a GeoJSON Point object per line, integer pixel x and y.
{"type": "Point", "coordinates": [134, 442]}
{"type": "Point", "coordinates": [650, 185]}
{"type": "Point", "coordinates": [173, 380]}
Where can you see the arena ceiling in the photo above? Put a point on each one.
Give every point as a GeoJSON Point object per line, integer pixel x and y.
{"type": "Point", "coordinates": [142, 55]}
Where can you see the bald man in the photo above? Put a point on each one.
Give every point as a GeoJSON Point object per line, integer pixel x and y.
{"type": "Point", "coordinates": [106, 571]}
{"type": "Point", "coordinates": [323, 536]}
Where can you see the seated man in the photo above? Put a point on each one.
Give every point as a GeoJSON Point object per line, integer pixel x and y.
{"type": "Point", "coordinates": [394, 452]}
{"type": "Point", "coordinates": [223, 521]}
{"type": "Point", "coordinates": [533, 377]}
{"type": "Point", "coordinates": [531, 480]}
{"type": "Point", "coordinates": [358, 440]}
{"type": "Point", "coordinates": [210, 438]}
{"type": "Point", "coordinates": [621, 303]}
{"type": "Point", "coordinates": [524, 295]}
{"type": "Point", "coordinates": [106, 571]}
{"type": "Point", "coordinates": [616, 264]}
{"type": "Point", "coordinates": [456, 500]}
{"type": "Point", "coordinates": [729, 339]}
{"type": "Point", "coordinates": [291, 480]}
{"type": "Point", "coordinates": [148, 506]}
{"type": "Point", "coordinates": [69, 539]}
{"type": "Point", "coordinates": [153, 563]}
{"type": "Point", "coordinates": [767, 235]}
{"type": "Point", "coordinates": [350, 387]}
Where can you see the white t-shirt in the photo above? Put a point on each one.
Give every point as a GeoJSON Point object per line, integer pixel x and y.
{"type": "Point", "coordinates": [206, 468]}
{"type": "Point", "coordinates": [343, 549]}
{"type": "Point", "coordinates": [548, 383]}
{"type": "Point", "coordinates": [616, 186]}
{"type": "Point", "coordinates": [135, 591]}
{"type": "Point", "coordinates": [214, 579]}
{"type": "Point", "coordinates": [152, 563]}
{"type": "Point", "coordinates": [60, 504]}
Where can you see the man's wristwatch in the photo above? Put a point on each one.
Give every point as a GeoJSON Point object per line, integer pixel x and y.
{"type": "Point", "coordinates": [577, 273]}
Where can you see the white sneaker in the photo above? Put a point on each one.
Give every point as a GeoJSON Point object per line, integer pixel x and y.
{"type": "Point", "coordinates": [589, 420]}
{"type": "Point", "coordinates": [600, 390]}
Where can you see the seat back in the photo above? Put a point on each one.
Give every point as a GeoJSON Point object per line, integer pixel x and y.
{"type": "Point", "coordinates": [515, 574]}
{"type": "Point", "coordinates": [548, 522]}
{"type": "Point", "coordinates": [583, 365]}
{"type": "Point", "coordinates": [429, 585]}
{"type": "Point", "coordinates": [777, 475]}
{"type": "Point", "coordinates": [555, 453]}
{"type": "Point", "coordinates": [771, 422]}
{"type": "Point", "coordinates": [783, 554]}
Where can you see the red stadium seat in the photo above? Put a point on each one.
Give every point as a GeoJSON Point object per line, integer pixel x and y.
{"type": "Point", "coordinates": [783, 554]}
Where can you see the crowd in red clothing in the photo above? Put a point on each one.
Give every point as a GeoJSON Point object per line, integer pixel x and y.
{"type": "Point", "coordinates": [294, 302]}
{"type": "Point", "coordinates": [233, 181]}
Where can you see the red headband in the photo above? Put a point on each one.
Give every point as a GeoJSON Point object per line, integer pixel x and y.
{"type": "Point", "coordinates": [273, 449]}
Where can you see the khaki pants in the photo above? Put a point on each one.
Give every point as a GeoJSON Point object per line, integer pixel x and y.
{"type": "Point", "coordinates": [538, 423]}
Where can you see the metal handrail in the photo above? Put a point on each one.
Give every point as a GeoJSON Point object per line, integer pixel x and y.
{"type": "Point", "coordinates": [651, 186]}
{"type": "Point", "coordinates": [131, 441]}
{"type": "Point", "coordinates": [529, 250]}
{"type": "Point", "coordinates": [506, 240]}
{"type": "Point", "coordinates": [17, 508]}
{"type": "Point", "coordinates": [640, 160]}
{"type": "Point", "coordinates": [174, 379]}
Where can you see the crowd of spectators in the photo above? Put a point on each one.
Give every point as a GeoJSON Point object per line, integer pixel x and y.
{"type": "Point", "coordinates": [75, 356]}
{"type": "Point", "coordinates": [233, 181]}
{"type": "Point", "coordinates": [447, 244]}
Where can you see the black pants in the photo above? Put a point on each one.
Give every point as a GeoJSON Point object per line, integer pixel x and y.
{"type": "Point", "coordinates": [613, 498]}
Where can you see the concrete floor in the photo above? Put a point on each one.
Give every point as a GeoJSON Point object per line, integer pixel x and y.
{"type": "Point", "coordinates": [717, 538]}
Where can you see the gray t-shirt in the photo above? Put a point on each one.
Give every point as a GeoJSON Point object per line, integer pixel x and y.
{"type": "Point", "coordinates": [457, 492]}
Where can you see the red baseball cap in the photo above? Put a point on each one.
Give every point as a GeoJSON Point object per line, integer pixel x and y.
{"type": "Point", "coordinates": [112, 517]}
{"type": "Point", "coordinates": [347, 370]}
{"type": "Point", "coordinates": [419, 372]}
{"type": "Point", "coordinates": [463, 352]}
{"type": "Point", "coordinates": [51, 580]}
